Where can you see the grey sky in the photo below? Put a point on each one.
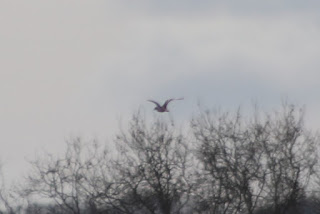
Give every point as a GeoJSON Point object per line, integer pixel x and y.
{"type": "Point", "coordinates": [73, 68]}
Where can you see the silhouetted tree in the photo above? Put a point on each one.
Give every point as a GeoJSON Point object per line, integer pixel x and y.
{"type": "Point", "coordinates": [250, 163]}
{"type": "Point", "coordinates": [10, 198]}
{"type": "Point", "coordinates": [231, 160]}
{"type": "Point", "coordinates": [290, 157]}
{"type": "Point", "coordinates": [227, 164]}
{"type": "Point", "coordinates": [153, 168]}
{"type": "Point", "coordinates": [74, 181]}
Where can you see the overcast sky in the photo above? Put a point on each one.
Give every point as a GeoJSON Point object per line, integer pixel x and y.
{"type": "Point", "coordinates": [75, 68]}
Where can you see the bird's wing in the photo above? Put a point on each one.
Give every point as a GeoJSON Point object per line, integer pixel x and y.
{"type": "Point", "coordinates": [157, 104]}
{"type": "Point", "coordinates": [168, 101]}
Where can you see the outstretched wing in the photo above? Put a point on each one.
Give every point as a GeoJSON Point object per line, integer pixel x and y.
{"type": "Point", "coordinates": [168, 101]}
{"type": "Point", "coordinates": [157, 104]}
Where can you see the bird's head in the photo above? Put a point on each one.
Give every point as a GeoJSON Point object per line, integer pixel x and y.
{"type": "Point", "coordinates": [157, 108]}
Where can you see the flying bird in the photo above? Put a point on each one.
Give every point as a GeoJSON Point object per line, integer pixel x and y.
{"type": "Point", "coordinates": [163, 108]}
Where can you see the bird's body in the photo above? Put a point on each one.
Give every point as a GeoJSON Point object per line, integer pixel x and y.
{"type": "Point", "coordinates": [163, 108]}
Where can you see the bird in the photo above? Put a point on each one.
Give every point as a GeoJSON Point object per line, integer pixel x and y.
{"type": "Point", "coordinates": [163, 108]}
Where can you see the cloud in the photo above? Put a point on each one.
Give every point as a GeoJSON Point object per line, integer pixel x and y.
{"type": "Point", "coordinates": [164, 47]}
{"type": "Point", "coordinates": [245, 7]}
{"type": "Point", "coordinates": [76, 67]}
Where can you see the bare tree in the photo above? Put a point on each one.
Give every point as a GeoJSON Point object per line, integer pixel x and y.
{"type": "Point", "coordinates": [153, 168]}
{"type": "Point", "coordinates": [290, 157]}
{"type": "Point", "coordinates": [10, 198]}
{"type": "Point", "coordinates": [150, 175]}
{"type": "Point", "coordinates": [230, 165]}
{"type": "Point", "coordinates": [74, 181]}
{"type": "Point", "coordinates": [247, 163]}
{"type": "Point", "coordinates": [231, 161]}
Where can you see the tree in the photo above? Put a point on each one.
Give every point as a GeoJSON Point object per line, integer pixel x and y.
{"type": "Point", "coordinates": [228, 164]}
{"type": "Point", "coordinates": [153, 168]}
{"type": "Point", "coordinates": [290, 157]}
{"type": "Point", "coordinates": [74, 181]}
{"type": "Point", "coordinates": [10, 198]}
{"type": "Point", "coordinates": [246, 163]}
{"type": "Point", "coordinates": [231, 161]}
